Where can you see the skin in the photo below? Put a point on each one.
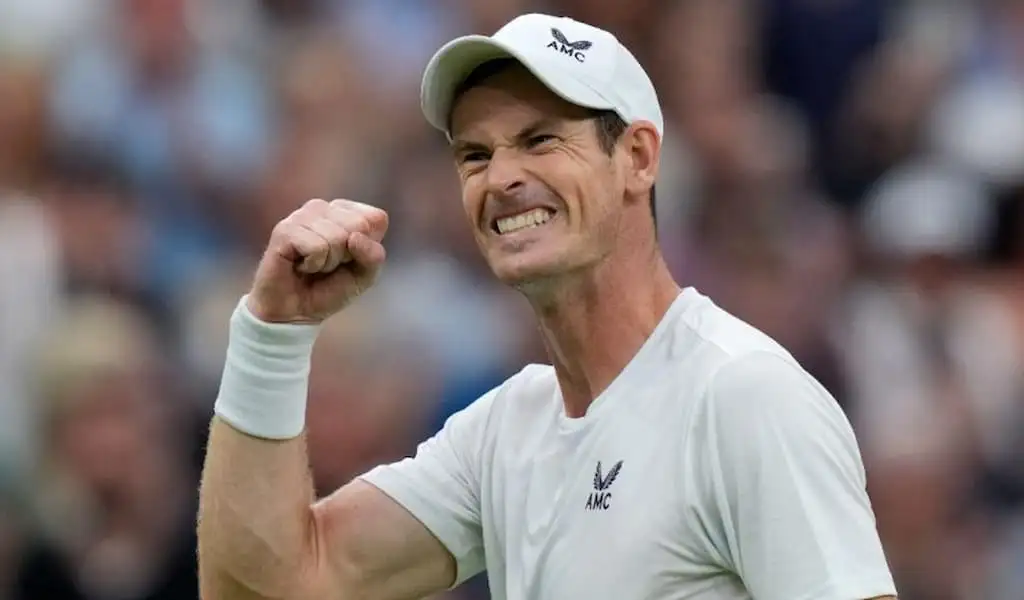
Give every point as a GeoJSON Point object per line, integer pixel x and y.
{"type": "Point", "coordinates": [593, 275]}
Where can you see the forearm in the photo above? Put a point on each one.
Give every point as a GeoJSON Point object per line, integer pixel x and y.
{"type": "Point", "coordinates": [256, 531]}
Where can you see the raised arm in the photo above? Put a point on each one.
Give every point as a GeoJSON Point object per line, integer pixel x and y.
{"type": "Point", "coordinates": [261, 535]}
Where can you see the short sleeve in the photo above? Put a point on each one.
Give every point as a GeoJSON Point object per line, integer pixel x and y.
{"type": "Point", "coordinates": [786, 486]}
{"type": "Point", "coordinates": [440, 485]}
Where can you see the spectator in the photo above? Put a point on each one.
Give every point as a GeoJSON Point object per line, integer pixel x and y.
{"type": "Point", "coordinates": [845, 175]}
{"type": "Point", "coordinates": [114, 495]}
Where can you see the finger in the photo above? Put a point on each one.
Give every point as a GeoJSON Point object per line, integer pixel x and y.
{"type": "Point", "coordinates": [333, 224]}
{"type": "Point", "coordinates": [297, 243]}
{"type": "Point", "coordinates": [367, 252]}
{"type": "Point", "coordinates": [312, 208]}
{"type": "Point", "coordinates": [376, 219]}
{"type": "Point", "coordinates": [314, 260]}
{"type": "Point", "coordinates": [335, 235]}
{"type": "Point", "coordinates": [352, 221]}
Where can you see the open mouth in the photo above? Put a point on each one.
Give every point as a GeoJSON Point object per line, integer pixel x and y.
{"type": "Point", "coordinates": [526, 220]}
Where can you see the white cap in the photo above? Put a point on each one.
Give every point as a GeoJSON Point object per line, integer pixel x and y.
{"type": "Point", "coordinates": [584, 65]}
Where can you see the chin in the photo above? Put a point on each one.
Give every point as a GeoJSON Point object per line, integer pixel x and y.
{"type": "Point", "coordinates": [525, 272]}
{"type": "Point", "coordinates": [533, 257]}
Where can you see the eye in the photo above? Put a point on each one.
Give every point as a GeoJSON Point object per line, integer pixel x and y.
{"type": "Point", "coordinates": [475, 156]}
{"type": "Point", "coordinates": [540, 139]}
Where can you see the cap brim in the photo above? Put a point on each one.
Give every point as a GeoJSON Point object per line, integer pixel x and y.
{"type": "Point", "coordinates": [456, 60]}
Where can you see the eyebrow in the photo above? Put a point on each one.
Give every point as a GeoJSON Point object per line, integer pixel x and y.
{"type": "Point", "coordinates": [541, 124]}
{"type": "Point", "coordinates": [460, 147]}
{"type": "Point", "coordinates": [530, 130]}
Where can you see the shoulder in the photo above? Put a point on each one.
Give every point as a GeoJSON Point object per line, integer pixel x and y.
{"type": "Point", "coordinates": [533, 383]}
{"type": "Point", "coordinates": [715, 352]}
{"type": "Point", "coordinates": [750, 383]}
{"type": "Point", "coordinates": [533, 387]}
{"type": "Point", "coordinates": [763, 408]}
{"type": "Point", "coordinates": [762, 380]}
{"type": "Point", "coordinates": [716, 328]}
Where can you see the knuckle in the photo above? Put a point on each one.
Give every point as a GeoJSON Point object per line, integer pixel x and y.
{"type": "Point", "coordinates": [310, 210]}
{"type": "Point", "coordinates": [319, 224]}
{"type": "Point", "coordinates": [283, 229]}
{"type": "Point", "coordinates": [299, 216]}
{"type": "Point", "coordinates": [360, 224]}
{"type": "Point", "coordinates": [374, 215]}
{"type": "Point", "coordinates": [330, 230]}
{"type": "Point", "coordinates": [349, 220]}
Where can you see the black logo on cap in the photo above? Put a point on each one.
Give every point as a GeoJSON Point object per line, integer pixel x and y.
{"type": "Point", "coordinates": [573, 49]}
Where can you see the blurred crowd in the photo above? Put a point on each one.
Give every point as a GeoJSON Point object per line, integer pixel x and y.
{"type": "Point", "coordinates": [847, 175]}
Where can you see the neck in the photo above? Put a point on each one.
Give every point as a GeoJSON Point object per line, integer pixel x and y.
{"type": "Point", "coordinates": [594, 324]}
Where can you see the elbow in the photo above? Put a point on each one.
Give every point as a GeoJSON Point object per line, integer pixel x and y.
{"type": "Point", "coordinates": [221, 585]}
{"type": "Point", "coordinates": [235, 580]}
{"type": "Point", "coordinates": [241, 564]}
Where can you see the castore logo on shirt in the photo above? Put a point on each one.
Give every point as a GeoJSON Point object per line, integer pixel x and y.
{"type": "Point", "coordinates": [601, 498]}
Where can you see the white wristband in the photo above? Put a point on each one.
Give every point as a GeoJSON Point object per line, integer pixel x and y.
{"type": "Point", "coordinates": [266, 376]}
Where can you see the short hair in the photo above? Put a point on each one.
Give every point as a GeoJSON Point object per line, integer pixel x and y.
{"type": "Point", "coordinates": [610, 127]}
{"type": "Point", "coordinates": [608, 124]}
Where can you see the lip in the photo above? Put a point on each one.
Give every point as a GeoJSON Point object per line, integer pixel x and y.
{"type": "Point", "coordinates": [493, 222]}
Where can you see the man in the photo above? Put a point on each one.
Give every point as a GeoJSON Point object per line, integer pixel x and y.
{"type": "Point", "coordinates": [670, 452]}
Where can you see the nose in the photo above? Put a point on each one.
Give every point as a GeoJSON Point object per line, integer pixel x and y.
{"type": "Point", "coordinates": [505, 173]}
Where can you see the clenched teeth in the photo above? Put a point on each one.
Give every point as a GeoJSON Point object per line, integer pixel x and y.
{"type": "Point", "coordinates": [532, 218]}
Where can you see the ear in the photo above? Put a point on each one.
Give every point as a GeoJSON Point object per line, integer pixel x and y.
{"type": "Point", "coordinates": [643, 147]}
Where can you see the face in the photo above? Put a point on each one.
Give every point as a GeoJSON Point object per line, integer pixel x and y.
{"type": "Point", "coordinates": [113, 426]}
{"type": "Point", "coordinates": [543, 196]}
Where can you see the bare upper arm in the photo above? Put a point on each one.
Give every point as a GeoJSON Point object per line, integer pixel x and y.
{"type": "Point", "coordinates": [369, 546]}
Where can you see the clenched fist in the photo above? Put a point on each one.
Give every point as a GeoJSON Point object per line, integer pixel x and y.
{"type": "Point", "coordinates": [318, 259]}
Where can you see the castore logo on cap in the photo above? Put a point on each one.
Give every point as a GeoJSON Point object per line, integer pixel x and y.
{"type": "Point", "coordinates": [563, 45]}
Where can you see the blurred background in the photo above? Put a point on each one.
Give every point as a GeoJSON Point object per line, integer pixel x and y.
{"type": "Point", "coordinates": [847, 175]}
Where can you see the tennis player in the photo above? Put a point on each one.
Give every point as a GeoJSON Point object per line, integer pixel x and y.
{"type": "Point", "coordinates": [671, 451]}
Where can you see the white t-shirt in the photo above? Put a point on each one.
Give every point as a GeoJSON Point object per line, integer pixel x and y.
{"type": "Point", "coordinates": [712, 468]}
